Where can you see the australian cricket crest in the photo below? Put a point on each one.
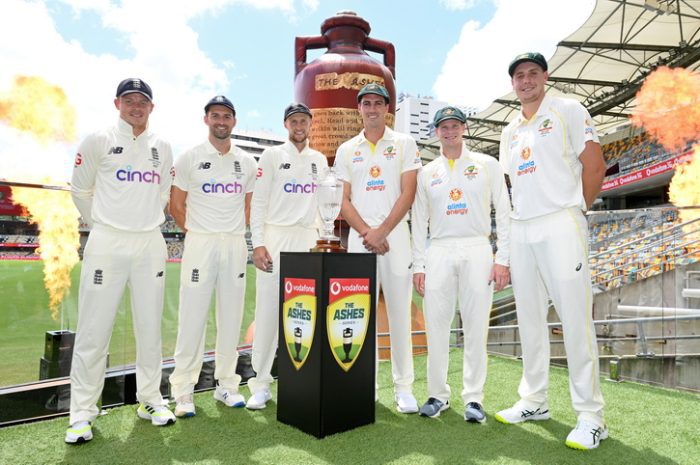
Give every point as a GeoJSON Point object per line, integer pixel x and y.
{"type": "Point", "coordinates": [299, 318]}
{"type": "Point", "coordinates": [347, 318]}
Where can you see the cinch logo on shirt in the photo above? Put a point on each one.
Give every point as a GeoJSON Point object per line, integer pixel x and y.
{"type": "Point", "coordinates": [375, 184]}
{"type": "Point", "coordinates": [456, 208]}
{"type": "Point", "coordinates": [214, 187]}
{"type": "Point", "coordinates": [295, 188]}
{"type": "Point", "coordinates": [129, 175]}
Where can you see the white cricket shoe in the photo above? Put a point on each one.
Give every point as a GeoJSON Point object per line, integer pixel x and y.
{"type": "Point", "coordinates": [259, 400]}
{"type": "Point", "coordinates": [230, 399]}
{"type": "Point", "coordinates": [79, 432]}
{"type": "Point", "coordinates": [520, 413]}
{"type": "Point", "coordinates": [184, 406]}
{"type": "Point", "coordinates": [406, 403]}
{"type": "Point", "coordinates": [160, 415]}
{"type": "Point", "coordinates": [586, 435]}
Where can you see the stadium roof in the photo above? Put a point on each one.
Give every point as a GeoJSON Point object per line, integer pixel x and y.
{"type": "Point", "coordinates": [604, 63]}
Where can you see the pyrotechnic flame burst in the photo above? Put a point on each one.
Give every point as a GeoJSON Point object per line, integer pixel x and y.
{"type": "Point", "coordinates": [36, 107]}
{"type": "Point", "coordinates": [668, 106]}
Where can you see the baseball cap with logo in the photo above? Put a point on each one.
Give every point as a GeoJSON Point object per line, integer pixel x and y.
{"type": "Point", "coordinates": [296, 108]}
{"type": "Point", "coordinates": [134, 85]}
{"type": "Point", "coordinates": [443, 114]}
{"type": "Point", "coordinates": [373, 88]}
{"type": "Point", "coordinates": [220, 100]}
{"type": "Point", "coordinates": [534, 57]}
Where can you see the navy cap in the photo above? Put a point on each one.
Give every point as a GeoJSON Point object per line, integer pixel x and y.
{"type": "Point", "coordinates": [534, 57]}
{"type": "Point", "coordinates": [220, 100]}
{"type": "Point", "coordinates": [134, 85]}
{"type": "Point", "coordinates": [294, 108]}
{"type": "Point", "coordinates": [443, 114]}
{"type": "Point", "coordinates": [375, 89]}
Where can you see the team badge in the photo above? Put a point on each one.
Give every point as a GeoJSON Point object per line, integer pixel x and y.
{"type": "Point", "coordinates": [347, 318]}
{"type": "Point", "coordinates": [545, 128]}
{"type": "Point", "coordinates": [390, 153]}
{"type": "Point", "coordinates": [471, 171]}
{"type": "Point", "coordinates": [299, 318]}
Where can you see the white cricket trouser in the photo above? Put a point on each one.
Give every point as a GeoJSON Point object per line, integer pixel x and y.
{"type": "Point", "coordinates": [457, 270]}
{"type": "Point", "coordinates": [549, 254]}
{"type": "Point", "coordinates": [395, 278]}
{"type": "Point", "coordinates": [277, 239]}
{"type": "Point", "coordinates": [113, 258]}
{"type": "Point", "coordinates": [210, 260]}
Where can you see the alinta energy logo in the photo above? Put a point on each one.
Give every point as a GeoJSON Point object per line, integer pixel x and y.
{"type": "Point", "coordinates": [375, 184]}
{"type": "Point", "coordinates": [455, 207]}
{"type": "Point", "coordinates": [128, 174]}
{"type": "Point", "coordinates": [299, 318]}
{"type": "Point", "coordinates": [528, 167]}
{"type": "Point", "coordinates": [347, 318]}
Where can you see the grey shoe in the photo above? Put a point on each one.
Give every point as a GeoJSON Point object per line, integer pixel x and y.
{"type": "Point", "coordinates": [474, 413]}
{"type": "Point", "coordinates": [433, 407]}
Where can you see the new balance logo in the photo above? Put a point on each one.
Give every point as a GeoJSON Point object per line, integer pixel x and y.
{"type": "Point", "coordinates": [205, 165]}
{"type": "Point", "coordinates": [116, 150]}
{"type": "Point", "coordinates": [285, 166]}
{"type": "Point", "coordinates": [97, 277]}
{"type": "Point", "coordinates": [159, 274]}
{"type": "Point", "coordinates": [195, 275]}
{"type": "Point", "coordinates": [241, 275]}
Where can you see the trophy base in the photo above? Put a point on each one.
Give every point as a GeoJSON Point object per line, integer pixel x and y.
{"type": "Point", "coordinates": [329, 246]}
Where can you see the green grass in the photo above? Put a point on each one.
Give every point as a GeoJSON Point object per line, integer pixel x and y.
{"type": "Point", "coordinates": [25, 318]}
{"type": "Point", "coordinates": [647, 426]}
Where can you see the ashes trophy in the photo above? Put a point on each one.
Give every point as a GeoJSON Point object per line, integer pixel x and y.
{"type": "Point", "coordinates": [329, 196]}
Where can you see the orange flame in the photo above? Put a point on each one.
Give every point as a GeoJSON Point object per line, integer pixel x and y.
{"type": "Point", "coordinates": [37, 107]}
{"type": "Point", "coordinates": [41, 109]}
{"type": "Point", "coordinates": [668, 106]}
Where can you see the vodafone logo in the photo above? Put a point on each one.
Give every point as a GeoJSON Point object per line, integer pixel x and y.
{"type": "Point", "coordinates": [288, 287]}
{"type": "Point", "coordinates": [335, 288]}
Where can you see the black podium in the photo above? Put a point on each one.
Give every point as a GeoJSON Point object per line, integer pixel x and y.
{"type": "Point", "coordinates": [326, 356]}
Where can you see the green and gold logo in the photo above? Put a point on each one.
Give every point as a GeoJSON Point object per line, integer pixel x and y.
{"type": "Point", "coordinates": [347, 318]}
{"type": "Point", "coordinates": [299, 318]}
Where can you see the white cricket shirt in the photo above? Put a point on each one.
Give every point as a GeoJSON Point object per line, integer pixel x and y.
{"type": "Point", "coordinates": [540, 155]}
{"type": "Point", "coordinates": [216, 186]}
{"type": "Point", "coordinates": [123, 181]}
{"type": "Point", "coordinates": [455, 201]}
{"type": "Point", "coordinates": [374, 172]}
{"type": "Point", "coordinates": [285, 190]}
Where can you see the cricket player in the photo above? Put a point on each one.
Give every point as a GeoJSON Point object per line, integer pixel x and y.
{"type": "Point", "coordinates": [121, 184]}
{"type": "Point", "coordinates": [210, 200]}
{"type": "Point", "coordinates": [553, 157]}
{"type": "Point", "coordinates": [454, 198]}
{"type": "Point", "coordinates": [283, 218]}
{"type": "Point", "coordinates": [379, 169]}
